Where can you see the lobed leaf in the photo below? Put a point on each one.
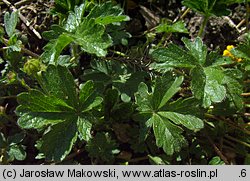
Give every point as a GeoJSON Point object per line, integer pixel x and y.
{"type": "Point", "coordinates": [173, 56]}
{"type": "Point", "coordinates": [207, 85]}
{"type": "Point", "coordinates": [107, 13]}
{"type": "Point", "coordinates": [54, 48]}
{"type": "Point", "coordinates": [92, 37]}
{"type": "Point", "coordinates": [168, 136]}
{"type": "Point", "coordinates": [58, 142]}
{"type": "Point", "coordinates": [177, 27]}
{"type": "Point", "coordinates": [196, 49]}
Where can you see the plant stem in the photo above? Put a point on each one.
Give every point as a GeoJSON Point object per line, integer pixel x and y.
{"type": "Point", "coordinates": [203, 26]}
{"type": "Point", "coordinates": [230, 123]}
{"type": "Point", "coordinates": [246, 94]}
{"type": "Point", "coordinates": [217, 150]}
{"type": "Point", "coordinates": [238, 141]}
{"type": "Point", "coordinates": [8, 97]}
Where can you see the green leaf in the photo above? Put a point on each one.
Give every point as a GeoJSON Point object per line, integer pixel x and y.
{"type": "Point", "coordinates": [10, 22]}
{"type": "Point", "coordinates": [189, 121]}
{"type": "Point", "coordinates": [229, 2]}
{"type": "Point", "coordinates": [54, 33]}
{"type": "Point", "coordinates": [102, 147]}
{"type": "Point", "coordinates": [59, 82]}
{"type": "Point", "coordinates": [165, 88]}
{"type": "Point", "coordinates": [16, 152]}
{"type": "Point", "coordinates": [234, 90]}
{"type": "Point", "coordinates": [200, 6]}
{"type": "Point", "coordinates": [196, 49]}
{"type": "Point", "coordinates": [64, 6]}
{"type": "Point", "coordinates": [59, 107]}
{"type": "Point", "coordinates": [198, 82]}
{"type": "Point", "coordinates": [186, 106]}
{"type": "Point", "coordinates": [143, 98]}
{"type": "Point", "coordinates": [216, 161]}
{"type": "Point", "coordinates": [92, 38]}
{"type": "Point", "coordinates": [38, 110]}
{"type": "Point", "coordinates": [172, 56]}
{"type": "Point", "coordinates": [111, 98]}
{"type": "Point", "coordinates": [171, 91]}
{"type": "Point", "coordinates": [158, 160]}
{"type": "Point", "coordinates": [54, 48]}
{"type": "Point", "coordinates": [37, 101]}
{"type": "Point", "coordinates": [107, 74]}
{"type": "Point", "coordinates": [129, 87]}
{"type": "Point", "coordinates": [154, 111]}
{"type": "Point", "coordinates": [84, 127]}
{"type": "Point", "coordinates": [75, 18]}
{"type": "Point", "coordinates": [88, 97]}
{"type": "Point", "coordinates": [107, 13]}
{"type": "Point", "coordinates": [58, 142]}
{"type": "Point", "coordinates": [242, 50]}
{"type": "Point", "coordinates": [168, 136]}
{"type": "Point", "coordinates": [39, 120]}
{"type": "Point", "coordinates": [177, 27]}
{"type": "Point", "coordinates": [207, 85]}
{"type": "Point", "coordinates": [16, 138]}
{"type": "Point", "coordinates": [208, 7]}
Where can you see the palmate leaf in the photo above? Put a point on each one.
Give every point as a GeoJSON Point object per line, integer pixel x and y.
{"type": "Point", "coordinates": [90, 36]}
{"type": "Point", "coordinates": [59, 107]}
{"type": "Point", "coordinates": [208, 82]}
{"type": "Point", "coordinates": [89, 32]}
{"type": "Point", "coordinates": [155, 111]}
{"type": "Point", "coordinates": [173, 56]}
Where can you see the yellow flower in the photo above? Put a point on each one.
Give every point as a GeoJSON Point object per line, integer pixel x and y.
{"type": "Point", "coordinates": [227, 53]}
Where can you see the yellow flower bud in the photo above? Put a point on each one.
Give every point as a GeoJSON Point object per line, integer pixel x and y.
{"type": "Point", "coordinates": [227, 53]}
{"type": "Point", "coordinates": [230, 47]}
{"type": "Point", "coordinates": [238, 59]}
